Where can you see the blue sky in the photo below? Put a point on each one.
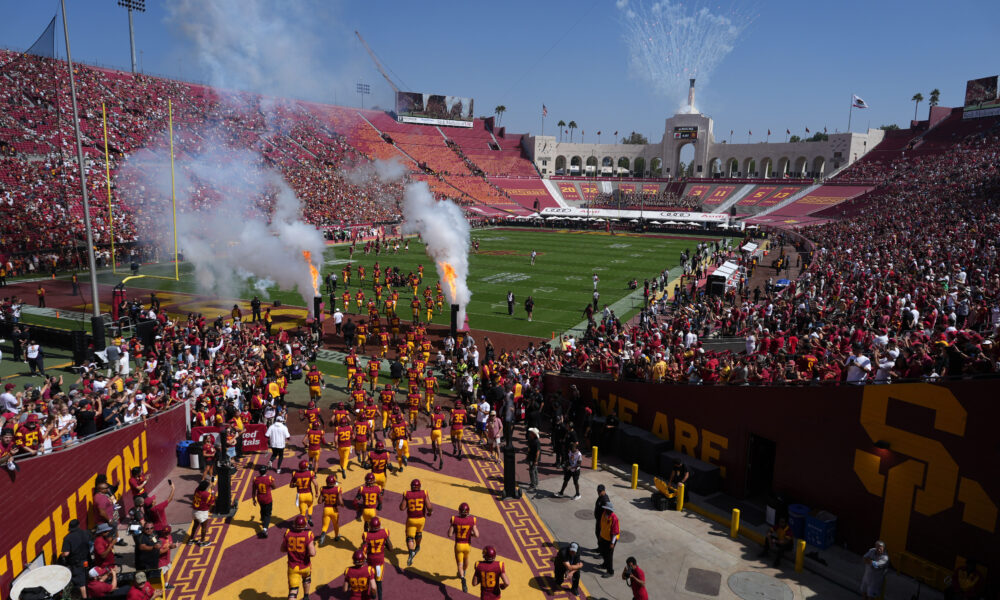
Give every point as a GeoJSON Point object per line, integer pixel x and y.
{"type": "Point", "coordinates": [795, 66]}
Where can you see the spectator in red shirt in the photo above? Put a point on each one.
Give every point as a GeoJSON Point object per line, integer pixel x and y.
{"type": "Point", "coordinates": [142, 590]}
{"type": "Point", "coordinates": [104, 545]}
{"type": "Point", "coordinates": [635, 578]}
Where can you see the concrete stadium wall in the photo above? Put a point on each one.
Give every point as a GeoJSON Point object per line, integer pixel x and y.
{"type": "Point", "coordinates": [49, 491]}
{"type": "Point", "coordinates": [933, 493]}
{"type": "Point", "coordinates": [813, 159]}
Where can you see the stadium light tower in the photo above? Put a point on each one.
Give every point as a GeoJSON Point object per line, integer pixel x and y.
{"type": "Point", "coordinates": [139, 5]}
{"type": "Point", "coordinates": [96, 323]}
{"type": "Point", "coordinates": [364, 90]}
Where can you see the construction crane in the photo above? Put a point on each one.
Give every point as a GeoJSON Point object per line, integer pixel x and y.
{"type": "Point", "coordinates": [378, 65]}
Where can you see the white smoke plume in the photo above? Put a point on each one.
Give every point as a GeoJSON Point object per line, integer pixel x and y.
{"type": "Point", "coordinates": [672, 42]}
{"type": "Point", "coordinates": [386, 171]}
{"type": "Point", "coordinates": [445, 231]}
{"type": "Point", "coordinates": [222, 229]}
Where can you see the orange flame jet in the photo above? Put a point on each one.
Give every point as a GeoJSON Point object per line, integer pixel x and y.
{"type": "Point", "coordinates": [449, 277]}
{"type": "Point", "coordinates": [312, 271]}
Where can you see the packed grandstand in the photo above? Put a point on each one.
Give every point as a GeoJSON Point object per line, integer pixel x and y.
{"type": "Point", "coordinates": [895, 279]}
{"type": "Point", "coordinates": [864, 273]}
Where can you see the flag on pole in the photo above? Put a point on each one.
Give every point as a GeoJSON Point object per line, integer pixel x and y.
{"type": "Point", "coordinates": [807, 130]}
{"type": "Point", "coordinates": [545, 111]}
{"type": "Point", "coordinates": [616, 133]}
{"type": "Point", "coordinates": [858, 102]}
{"type": "Point", "coordinates": [749, 133]}
{"type": "Point", "coordinates": [787, 132]}
{"type": "Point", "coordinates": [824, 130]}
{"type": "Point", "coordinates": [768, 132]}
{"type": "Point", "coordinates": [598, 133]}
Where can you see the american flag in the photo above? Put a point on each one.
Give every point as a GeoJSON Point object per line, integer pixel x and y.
{"type": "Point", "coordinates": [545, 111]}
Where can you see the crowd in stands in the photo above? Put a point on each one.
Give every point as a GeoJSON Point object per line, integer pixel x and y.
{"type": "Point", "coordinates": [224, 368]}
{"type": "Point", "coordinates": [39, 184]}
{"type": "Point", "coordinates": [634, 200]}
{"type": "Point", "coordinates": [909, 289]}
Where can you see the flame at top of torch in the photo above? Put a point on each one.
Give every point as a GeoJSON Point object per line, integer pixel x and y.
{"type": "Point", "coordinates": [449, 278]}
{"type": "Point", "coordinates": [313, 271]}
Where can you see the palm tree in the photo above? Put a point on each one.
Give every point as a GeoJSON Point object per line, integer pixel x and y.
{"type": "Point", "coordinates": [917, 99]}
{"type": "Point", "coordinates": [572, 126]}
{"type": "Point", "coordinates": [499, 111]}
{"type": "Point", "coordinates": [561, 124]}
{"type": "Point", "coordinates": [935, 97]}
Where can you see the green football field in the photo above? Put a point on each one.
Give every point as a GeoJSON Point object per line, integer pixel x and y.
{"type": "Point", "coordinates": [560, 281]}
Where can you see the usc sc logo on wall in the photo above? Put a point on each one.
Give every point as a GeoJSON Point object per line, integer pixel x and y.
{"type": "Point", "coordinates": [930, 472]}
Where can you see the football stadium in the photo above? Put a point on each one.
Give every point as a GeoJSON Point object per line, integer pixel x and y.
{"type": "Point", "coordinates": [260, 341]}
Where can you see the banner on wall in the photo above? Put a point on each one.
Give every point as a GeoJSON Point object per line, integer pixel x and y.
{"type": "Point", "coordinates": [905, 462]}
{"type": "Point", "coordinates": [661, 215]}
{"type": "Point", "coordinates": [253, 437]}
{"type": "Point", "coordinates": [51, 490]}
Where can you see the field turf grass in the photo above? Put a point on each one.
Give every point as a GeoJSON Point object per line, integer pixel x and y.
{"type": "Point", "coordinates": [560, 281]}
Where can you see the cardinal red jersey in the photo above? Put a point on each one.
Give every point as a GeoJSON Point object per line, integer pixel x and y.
{"type": "Point", "coordinates": [416, 504]}
{"type": "Point", "coordinates": [313, 378]}
{"type": "Point", "coordinates": [315, 439]}
{"type": "Point", "coordinates": [379, 461]}
{"type": "Point", "coordinates": [301, 481]}
{"type": "Point", "coordinates": [463, 528]}
{"type": "Point", "coordinates": [387, 396]}
{"type": "Point", "coordinates": [374, 543]}
{"type": "Point", "coordinates": [489, 579]}
{"type": "Point", "coordinates": [437, 421]}
{"type": "Point", "coordinates": [262, 486]}
{"type": "Point", "coordinates": [330, 495]}
{"type": "Point", "coordinates": [368, 496]}
{"type": "Point", "coordinates": [361, 432]}
{"type": "Point", "coordinates": [343, 434]}
{"type": "Point", "coordinates": [296, 545]}
{"type": "Point", "coordinates": [359, 581]}
{"type": "Point", "coordinates": [203, 500]}
{"type": "Point", "coordinates": [458, 417]}
{"type": "Point", "coordinates": [398, 431]}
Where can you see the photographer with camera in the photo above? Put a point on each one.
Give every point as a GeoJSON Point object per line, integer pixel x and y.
{"type": "Point", "coordinates": [635, 578]}
{"type": "Point", "coordinates": [102, 582]}
{"type": "Point", "coordinates": [104, 546]}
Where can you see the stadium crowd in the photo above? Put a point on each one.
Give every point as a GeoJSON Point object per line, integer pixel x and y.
{"type": "Point", "coordinates": [633, 200]}
{"type": "Point", "coordinates": [914, 297]}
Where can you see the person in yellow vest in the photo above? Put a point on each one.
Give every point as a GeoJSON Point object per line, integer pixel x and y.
{"type": "Point", "coordinates": [274, 390]}
{"type": "Point", "coordinates": [40, 292]}
{"type": "Point", "coordinates": [268, 320]}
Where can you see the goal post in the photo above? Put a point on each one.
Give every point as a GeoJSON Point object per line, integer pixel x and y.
{"type": "Point", "coordinates": [173, 197]}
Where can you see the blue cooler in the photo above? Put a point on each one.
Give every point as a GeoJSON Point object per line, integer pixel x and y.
{"type": "Point", "coordinates": [821, 530]}
{"type": "Point", "coordinates": [183, 458]}
{"type": "Point", "coordinates": [797, 514]}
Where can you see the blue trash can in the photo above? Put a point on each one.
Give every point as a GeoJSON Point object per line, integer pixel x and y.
{"type": "Point", "coordinates": [821, 529]}
{"type": "Point", "coordinates": [183, 459]}
{"type": "Point", "coordinates": [797, 514]}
